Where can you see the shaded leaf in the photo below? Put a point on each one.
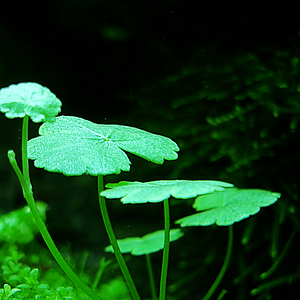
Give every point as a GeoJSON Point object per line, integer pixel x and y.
{"type": "Point", "coordinates": [115, 289]}
{"type": "Point", "coordinates": [19, 226]}
{"type": "Point", "coordinates": [74, 146]}
{"type": "Point", "coordinates": [29, 98]}
{"type": "Point", "coordinates": [147, 244]}
{"type": "Point", "coordinates": [160, 190]}
{"type": "Point", "coordinates": [225, 208]}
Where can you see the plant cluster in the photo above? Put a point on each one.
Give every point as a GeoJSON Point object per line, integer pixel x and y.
{"type": "Point", "coordinates": [74, 146]}
{"type": "Point", "coordinates": [18, 279]}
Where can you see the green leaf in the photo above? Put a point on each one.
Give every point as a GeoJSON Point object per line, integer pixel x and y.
{"type": "Point", "coordinates": [29, 98]}
{"type": "Point", "coordinates": [19, 226]}
{"type": "Point", "coordinates": [34, 274]}
{"type": "Point", "coordinates": [74, 146]}
{"type": "Point", "coordinates": [115, 289]}
{"type": "Point", "coordinates": [8, 291]}
{"type": "Point", "coordinates": [160, 190]}
{"type": "Point", "coordinates": [225, 208]}
{"type": "Point", "coordinates": [149, 243]}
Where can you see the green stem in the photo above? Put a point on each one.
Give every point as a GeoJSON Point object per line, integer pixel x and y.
{"type": "Point", "coordinates": [224, 267]}
{"type": "Point", "coordinates": [287, 246]}
{"type": "Point", "coordinates": [103, 264]}
{"type": "Point", "coordinates": [164, 268]}
{"type": "Point", "coordinates": [151, 277]}
{"type": "Point", "coordinates": [221, 295]}
{"type": "Point", "coordinates": [28, 195]}
{"type": "Point", "coordinates": [25, 164]}
{"type": "Point", "coordinates": [114, 243]}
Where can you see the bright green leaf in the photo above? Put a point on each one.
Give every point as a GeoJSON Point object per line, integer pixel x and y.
{"type": "Point", "coordinates": [149, 243]}
{"type": "Point", "coordinates": [34, 274]}
{"type": "Point", "coordinates": [8, 291]}
{"type": "Point", "coordinates": [225, 208]}
{"type": "Point", "coordinates": [29, 98]}
{"type": "Point", "coordinates": [74, 146]}
{"type": "Point", "coordinates": [160, 190]}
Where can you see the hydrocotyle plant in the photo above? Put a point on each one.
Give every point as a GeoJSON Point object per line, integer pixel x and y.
{"type": "Point", "coordinates": [74, 146]}
{"type": "Point", "coordinates": [218, 202]}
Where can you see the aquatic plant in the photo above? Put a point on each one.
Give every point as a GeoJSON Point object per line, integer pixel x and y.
{"type": "Point", "coordinates": [74, 146]}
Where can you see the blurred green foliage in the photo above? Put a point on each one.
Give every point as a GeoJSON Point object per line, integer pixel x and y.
{"type": "Point", "coordinates": [235, 117]}
{"type": "Point", "coordinates": [19, 226]}
{"type": "Point", "coordinates": [28, 271]}
{"type": "Point", "coordinates": [227, 112]}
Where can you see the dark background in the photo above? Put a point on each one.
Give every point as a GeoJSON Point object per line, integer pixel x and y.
{"type": "Point", "coordinates": [221, 78]}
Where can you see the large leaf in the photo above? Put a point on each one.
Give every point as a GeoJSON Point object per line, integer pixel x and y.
{"type": "Point", "coordinates": [74, 146]}
{"type": "Point", "coordinates": [29, 98]}
{"type": "Point", "coordinates": [149, 243]}
{"type": "Point", "coordinates": [225, 208]}
{"type": "Point", "coordinates": [160, 190]}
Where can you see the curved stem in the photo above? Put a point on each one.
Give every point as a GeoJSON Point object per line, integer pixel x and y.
{"type": "Point", "coordinates": [224, 267]}
{"type": "Point", "coordinates": [164, 268]}
{"type": "Point", "coordinates": [287, 246]}
{"type": "Point", "coordinates": [114, 243]}
{"type": "Point", "coordinates": [28, 195]}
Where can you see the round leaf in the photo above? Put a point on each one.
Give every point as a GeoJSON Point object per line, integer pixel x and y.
{"type": "Point", "coordinates": [31, 99]}
{"type": "Point", "coordinates": [160, 190]}
{"type": "Point", "coordinates": [149, 243]}
{"type": "Point", "coordinates": [74, 146]}
{"type": "Point", "coordinates": [225, 208]}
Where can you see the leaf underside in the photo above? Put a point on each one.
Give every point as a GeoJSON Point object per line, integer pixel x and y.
{"type": "Point", "coordinates": [29, 98]}
{"type": "Point", "coordinates": [160, 190]}
{"type": "Point", "coordinates": [74, 146]}
{"type": "Point", "coordinates": [225, 208]}
{"type": "Point", "coordinates": [149, 243]}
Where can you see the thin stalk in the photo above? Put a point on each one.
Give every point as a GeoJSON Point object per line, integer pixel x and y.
{"type": "Point", "coordinates": [224, 267]}
{"type": "Point", "coordinates": [83, 262]}
{"type": "Point", "coordinates": [284, 252]}
{"type": "Point", "coordinates": [165, 262]}
{"type": "Point", "coordinates": [221, 295]}
{"type": "Point", "coordinates": [151, 277]}
{"type": "Point", "coordinates": [103, 264]}
{"type": "Point", "coordinates": [25, 164]}
{"type": "Point", "coordinates": [28, 195]}
{"type": "Point", "coordinates": [114, 243]}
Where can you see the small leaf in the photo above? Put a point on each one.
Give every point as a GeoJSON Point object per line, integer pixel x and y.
{"type": "Point", "coordinates": [225, 208]}
{"type": "Point", "coordinates": [41, 288]}
{"type": "Point", "coordinates": [12, 292]}
{"type": "Point", "coordinates": [34, 274]}
{"type": "Point", "coordinates": [160, 190]}
{"type": "Point", "coordinates": [65, 292]}
{"type": "Point", "coordinates": [30, 99]}
{"type": "Point", "coordinates": [8, 291]}
{"type": "Point", "coordinates": [24, 286]}
{"type": "Point", "coordinates": [149, 243]}
{"type": "Point", "coordinates": [74, 146]}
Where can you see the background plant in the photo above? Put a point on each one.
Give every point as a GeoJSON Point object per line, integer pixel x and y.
{"type": "Point", "coordinates": [239, 120]}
